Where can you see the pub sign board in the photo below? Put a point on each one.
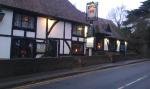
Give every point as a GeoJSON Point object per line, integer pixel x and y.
{"type": "Point", "coordinates": [92, 11]}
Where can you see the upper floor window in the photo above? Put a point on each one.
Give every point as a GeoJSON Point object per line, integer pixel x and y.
{"type": "Point", "coordinates": [78, 30]}
{"type": "Point", "coordinates": [24, 22]}
{"type": "Point", "coordinates": [108, 29]}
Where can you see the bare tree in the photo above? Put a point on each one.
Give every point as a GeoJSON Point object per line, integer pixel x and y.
{"type": "Point", "coordinates": [118, 15]}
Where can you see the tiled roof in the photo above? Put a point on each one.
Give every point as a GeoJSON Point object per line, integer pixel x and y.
{"type": "Point", "coordinates": [101, 26]}
{"type": "Point", "coordinates": [55, 8]}
{"type": "Point", "coordinates": [62, 9]}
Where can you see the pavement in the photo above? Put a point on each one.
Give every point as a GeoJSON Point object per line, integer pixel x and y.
{"type": "Point", "coordinates": [35, 78]}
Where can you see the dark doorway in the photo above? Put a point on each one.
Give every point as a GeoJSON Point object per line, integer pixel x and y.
{"type": "Point", "coordinates": [52, 48]}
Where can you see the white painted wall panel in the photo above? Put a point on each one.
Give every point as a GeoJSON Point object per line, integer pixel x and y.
{"type": "Point", "coordinates": [50, 23]}
{"type": "Point", "coordinates": [61, 47]}
{"type": "Point", "coordinates": [118, 45]}
{"type": "Point", "coordinates": [68, 31]}
{"type": "Point", "coordinates": [31, 34]}
{"type": "Point", "coordinates": [81, 39]}
{"type": "Point", "coordinates": [74, 38]}
{"type": "Point", "coordinates": [106, 42]}
{"type": "Point", "coordinates": [5, 43]}
{"type": "Point", "coordinates": [18, 32]}
{"type": "Point", "coordinates": [85, 31]}
{"type": "Point", "coordinates": [6, 23]}
{"type": "Point", "coordinates": [69, 42]}
{"type": "Point", "coordinates": [57, 31]}
{"type": "Point", "coordinates": [39, 40]}
{"type": "Point", "coordinates": [66, 51]}
{"type": "Point", "coordinates": [41, 27]}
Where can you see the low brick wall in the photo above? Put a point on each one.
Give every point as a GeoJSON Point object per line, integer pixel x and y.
{"type": "Point", "coordinates": [17, 67]}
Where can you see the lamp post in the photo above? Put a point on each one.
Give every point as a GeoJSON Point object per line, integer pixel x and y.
{"type": "Point", "coordinates": [91, 15]}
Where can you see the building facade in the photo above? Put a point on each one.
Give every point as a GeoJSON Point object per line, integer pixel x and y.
{"type": "Point", "coordinates": [25, 33]}
{"type": "Point", "coordinates": [108, 38]}
{"type": "Point", "coordinates": [50, 28]}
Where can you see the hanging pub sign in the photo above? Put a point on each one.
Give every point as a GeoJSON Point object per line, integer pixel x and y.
{"type": "Point", "coordinates": [92, 11]}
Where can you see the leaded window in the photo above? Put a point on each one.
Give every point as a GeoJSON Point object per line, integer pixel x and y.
{"type": "Point", "coordinates": [24, 22]}
{"type": "Point", "coordinates": [78, 30]}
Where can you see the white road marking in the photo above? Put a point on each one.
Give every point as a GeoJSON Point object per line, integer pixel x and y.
{"type": "Point", "coordinates": [129, 84]}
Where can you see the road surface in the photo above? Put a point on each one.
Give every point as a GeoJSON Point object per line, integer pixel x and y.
{"type": "Point", "coordinates": [134, 76]}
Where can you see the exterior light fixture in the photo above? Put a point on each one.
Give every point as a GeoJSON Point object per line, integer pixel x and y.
{"type": "Point", "coordinates": [76, 50]}
{"type": "Point", "coordinates": [98, 45]}
{"type": "Point", "coordinates": [126, 43]}
{"type": "Point", "coordinates": [118, 42]}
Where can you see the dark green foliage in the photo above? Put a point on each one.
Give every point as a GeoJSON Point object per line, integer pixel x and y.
{"type": "Point", "coordinates": [139, 19]}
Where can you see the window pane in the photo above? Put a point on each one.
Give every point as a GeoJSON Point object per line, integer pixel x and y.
{"type": "Point", "coordinates": [78, 48]}
{"type": "Point", "coordinates": [31, 23]}
{"type": "Point", "coordinates": [25, 21]}
{"type": "Point", "coordinates": [78, 30]}
{"type": "Point", "coordinates": [23, 48]}
{"type": "Point", "coordinates": [74, 30]}
{"type": "Point", "coordinates": [17, 20]}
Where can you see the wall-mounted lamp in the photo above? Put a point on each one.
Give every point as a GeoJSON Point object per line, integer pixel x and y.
{"type": "Point", "coordinates": [98, 45]}
{"type": "Point", "coordinates": [76, 50]}
{"type": "Point", "coordinates": [126, 43]}
{"type": "Point", "coordinates": [118, 42]}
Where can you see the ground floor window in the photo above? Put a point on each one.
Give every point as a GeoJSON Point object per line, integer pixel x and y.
{"type": "Point", "coordinates": [99, 44]}
{"type": "Point", "coordinates": [77, 48]}
{"type": "Point", "coordinates": [122, 46]}
{"type": "Point", "coordinates": [23, 48]}
{"type": "Point", "coordinates": [112, 45]}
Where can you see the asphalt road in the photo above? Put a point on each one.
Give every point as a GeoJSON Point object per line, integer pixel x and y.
{"type": "Point", "coordinates": [135, 76]}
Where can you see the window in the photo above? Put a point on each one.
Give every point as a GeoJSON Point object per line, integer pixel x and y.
{"type": "Point", "coordinates": [122, 46]}
{"type": "Point", "coordinates": [77, 48]}
{"type": "Point", "coordinates": [112, 45]}
{"type": "Point", "coordinates": [24, 22]}
{"type": "Point", "coordinates": [23, 48]}
{"type": "Point", "coordinates": [99, 44]}
{"type": "Point", "coordinates": [78, 30]}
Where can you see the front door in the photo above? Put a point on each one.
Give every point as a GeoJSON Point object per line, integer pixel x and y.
{"type": "Point", "coordinates": [52, 48]}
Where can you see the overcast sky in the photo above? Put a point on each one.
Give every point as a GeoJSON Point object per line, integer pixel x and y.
{"type": "Point", "coordinates": [106, 5]}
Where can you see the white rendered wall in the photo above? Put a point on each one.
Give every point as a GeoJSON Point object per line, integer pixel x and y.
{"type": "Point", "coordinates": [61, 47]}
{"type": "Point", "coordinates": [81, 39]}
{"type": "Point", "coordinates": [85, 31]}
{"type": "Point", "coordinates": [118, 45]}
{"type": "Point", "coordinates": [66, 48]}
{"type": "Point", "coordinates": [57, 31]}
{"type": "Point", "coordinates": [41, 27]}
{"type": "Point", "coordinates": [31, 34]}
{"type": "Point", "coordinates": [18, 32]}
{"type": "Point", "coordinates": [6, 23]}
{"type": "Point", "coordinates": [68, 29]}
{"type": "Point", "coordinates": [5, 44]}
{"type": "Point", "coordinates": [50, 23]}
{"type": "Point", "coordinates": [74, 38]}
{"type": "Point", "coordinates": [106, 42]}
